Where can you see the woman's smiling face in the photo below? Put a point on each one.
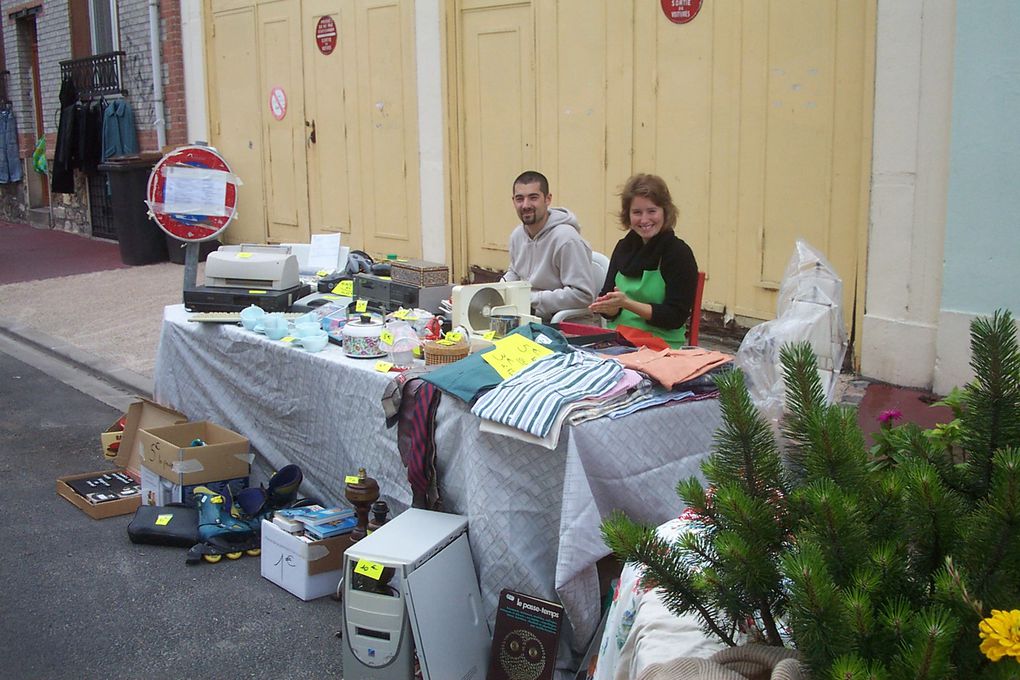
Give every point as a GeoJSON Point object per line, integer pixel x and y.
{"type": "Point", "coordinates": [645, 217]}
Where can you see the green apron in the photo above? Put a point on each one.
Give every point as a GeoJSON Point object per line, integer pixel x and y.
{"type": "Point", "coordinates": [651, 289]}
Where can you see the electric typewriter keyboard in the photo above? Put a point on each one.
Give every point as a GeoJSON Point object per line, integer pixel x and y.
{"type": "Point", "coordinates": [228, 317]}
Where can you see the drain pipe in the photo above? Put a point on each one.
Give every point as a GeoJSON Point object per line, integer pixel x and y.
{"type": "Point", "coordinates": [156, 57]}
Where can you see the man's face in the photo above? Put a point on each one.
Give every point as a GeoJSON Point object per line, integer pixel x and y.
{"type": "Point", "coordinates": [531, 204]}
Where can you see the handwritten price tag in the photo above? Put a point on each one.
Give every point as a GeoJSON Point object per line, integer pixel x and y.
{"type": "Point", "coordinates": [488, 335]}
{"type": "Point", "coordinates": [513, 353]}
{"type": "Point", "coordinates": [454, 337]}
{"type": "Point", "coordinates": [401, 313]}
{"type": "Point", "coordinates": [288, 338]}
{"type": "Point", "coordinates": [361, 306]}
{"type": "Point", "coordinates": [344, 288]}
{"type": "Point", "coordinates": [163, 520]}
{"type": "Point", "coordinates": [243, 256]}
{"type": "Point", "coordinates": [383, 366]}
{"type": "Point", "coordinates": [321, 273]}
{"type": "Point", "coordinates": [373, 570]}
{"type": "Point", "coordinates": [386, 337]}
{"type": "Point", "coordinates": [352, 479]}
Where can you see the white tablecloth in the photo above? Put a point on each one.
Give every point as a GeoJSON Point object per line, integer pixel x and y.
{"type": "Point", "coordinates": [533, 514]}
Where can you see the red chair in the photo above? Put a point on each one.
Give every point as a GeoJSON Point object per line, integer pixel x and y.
{"type": "Point", "coordinates": [695, 323]}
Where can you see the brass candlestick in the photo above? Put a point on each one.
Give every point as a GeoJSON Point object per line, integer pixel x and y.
{"type": "Point", "coordinates": [361, 494]}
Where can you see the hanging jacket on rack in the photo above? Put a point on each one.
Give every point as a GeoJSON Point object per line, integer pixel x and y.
{"type": "Point", "coordinates": [89, 128]}
{"type": "Point", "coordinates": [63, 154]}
{"type": "Point", "coordinates": [119, 136]}
{"type": "Point", "coordinates": [10, 164]}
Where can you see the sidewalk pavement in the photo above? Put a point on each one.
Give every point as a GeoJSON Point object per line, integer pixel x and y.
{"type": "Point", "coordinates": [71, 296]}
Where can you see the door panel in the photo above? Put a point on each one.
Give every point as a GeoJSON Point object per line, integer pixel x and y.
{"type": "Point", "coordinates": [235, 124]}
{"type": "Point", "coordinates": [285, 170]}
{"type": "Point", "coordinates": [388, 127]}
{"type": "Point", "coordinates": [498, 124]}
{"type": "Point", "coordinates": [328, 112]}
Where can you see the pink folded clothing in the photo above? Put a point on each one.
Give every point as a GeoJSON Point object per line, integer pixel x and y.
{"type": "Point", "coordinates": [670, 367]}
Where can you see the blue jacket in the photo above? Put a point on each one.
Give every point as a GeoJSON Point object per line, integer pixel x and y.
{"type": "Point", "coordinates": [10, 164]}
{"type": "Point", "coordinates": [119, 136]}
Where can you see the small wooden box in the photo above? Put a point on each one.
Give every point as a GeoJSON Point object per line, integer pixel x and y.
{"type": "Point", "coordinates": [420, 273]}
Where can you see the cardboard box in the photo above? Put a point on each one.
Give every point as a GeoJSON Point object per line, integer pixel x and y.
{"type": "Point", "coordinates": [141, 414]}
{"type": "Point", "coordinates": [306, 569]}
{"type": "Point", "coordinates": [168, 452]}
{"type": "Point", "coordinates": [159, 491]}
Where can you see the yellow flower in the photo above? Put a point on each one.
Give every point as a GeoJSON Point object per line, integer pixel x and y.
{"type": "Point", "coordinates": [1000, 634]}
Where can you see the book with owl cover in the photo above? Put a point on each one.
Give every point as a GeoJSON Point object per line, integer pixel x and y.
{"type": "Point", "coordinates": [525, 639]}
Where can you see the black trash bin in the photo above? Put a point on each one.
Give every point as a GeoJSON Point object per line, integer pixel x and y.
{"type": "Point", "coordinates": [141, 240]}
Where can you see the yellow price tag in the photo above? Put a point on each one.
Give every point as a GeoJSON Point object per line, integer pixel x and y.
{"type": "Point", "coordinates": [330, 296]}
{"type": "Point", "coordinates": [385, 278]}
{"type": "Point", "coordinates": [244, 256]}
{"type": "Point", "coordinates": [321, 272]}
{"type": "Point", "coordinates": [373, 570]}
{"type": "Point", "coordinates": [257, 292]}
{"type": "Point", "coordinates": [401, 313]}
{"type": "Point", "coordinates": [163, 520]}
{"type": "Point", "coordinates": [386, 337]}
{"type": "Point", "coordinates": [488, 335]}
{"type": "Point", "coordinates": [454, 337]}
{"type": "Point", "coordinates": [383, 366]}
{"type": "Point", "coordinates": [352, 479]}
{"type": "Point", "coordinates": [444, 341]}
{"type": "Point", "coordinates": [361, 306]}
{"type": "Point", "coordinates": [288, 338]}
{"type": "Point", "coordinates": [417, 351]}
{"type": "Point", "coordinates": [344, 288]}
{"type": "Point", "coordinates": [513, 353]}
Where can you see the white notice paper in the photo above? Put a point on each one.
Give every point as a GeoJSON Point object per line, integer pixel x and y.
{"type": "Point", "coordinates": [324, 255]}
{"type": "Point", "coordinates": [195, 191]}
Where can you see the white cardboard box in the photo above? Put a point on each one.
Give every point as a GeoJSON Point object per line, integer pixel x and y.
{"type": "Point", "coordinates": [306, 569]}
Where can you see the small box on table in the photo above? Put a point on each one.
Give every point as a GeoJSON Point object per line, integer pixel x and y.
{"type": "Point", "coordinates": [421, 273]}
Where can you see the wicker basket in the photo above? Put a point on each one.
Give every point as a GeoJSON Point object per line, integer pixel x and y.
{"type": "Point", "coordinates": [436, 353]}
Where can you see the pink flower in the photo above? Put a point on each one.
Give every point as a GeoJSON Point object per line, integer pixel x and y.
{"type": "Point", "coordinates": [890, 416]}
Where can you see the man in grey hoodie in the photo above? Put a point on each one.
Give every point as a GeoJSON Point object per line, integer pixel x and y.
{"type": "Point", "coordinates": [546, 249]}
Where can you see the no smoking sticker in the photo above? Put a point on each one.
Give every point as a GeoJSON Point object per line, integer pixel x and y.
{"type": "Point", "coordinates": [278, 103]}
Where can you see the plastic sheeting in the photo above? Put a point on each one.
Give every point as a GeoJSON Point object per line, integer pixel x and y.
{"type": "Point", "coordinates": [809, 308]}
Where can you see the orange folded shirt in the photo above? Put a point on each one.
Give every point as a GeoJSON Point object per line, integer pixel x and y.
{"type": "Point", "coordinates": [669, 367]}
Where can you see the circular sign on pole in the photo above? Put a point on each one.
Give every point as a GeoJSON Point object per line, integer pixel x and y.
{"type": "Point", "coordinates": [192, 194]}
{"type": "Point", "coordinates": [680, 11]}
{"type": "Point", "coordinates": [325, 34]}
{"type": "Point", "coordinates": [278, 103]}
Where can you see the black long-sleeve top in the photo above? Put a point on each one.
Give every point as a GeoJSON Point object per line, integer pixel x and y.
{"type": "Point", "coordinates": [675, 261]}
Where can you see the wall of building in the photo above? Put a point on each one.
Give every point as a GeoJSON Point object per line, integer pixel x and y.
{"type": "Point", "coordinates": [70, 212]}
{"type": "Point", "coordinates": [982, 243]}
{"type": "Point", "coordinates": [913, 97]}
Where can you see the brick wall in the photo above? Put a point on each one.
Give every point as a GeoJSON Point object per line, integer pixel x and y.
{"type": "Point", "coordinates": [173, 64]}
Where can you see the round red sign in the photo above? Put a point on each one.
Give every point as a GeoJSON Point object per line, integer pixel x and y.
{"type": "Point", "coordinates": [192, 193]}
{"type": "Point", "coordinates": [680, 11]}
{"type": "Point", "coordinates": [325, 34]}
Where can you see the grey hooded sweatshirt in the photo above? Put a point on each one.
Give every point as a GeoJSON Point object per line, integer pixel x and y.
{"type": "Point", "coordinates": [557, 262]}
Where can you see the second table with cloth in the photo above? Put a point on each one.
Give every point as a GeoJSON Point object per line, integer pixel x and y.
{"type": "Point", "coordinates": [533, 513]}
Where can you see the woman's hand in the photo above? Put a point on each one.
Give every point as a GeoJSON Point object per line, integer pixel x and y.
{"type": "Point", "coordinates": [609, 304]}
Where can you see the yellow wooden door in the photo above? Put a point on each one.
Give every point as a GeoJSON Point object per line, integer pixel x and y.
{"type": "Point", "coordinates": [283, 121]}
{"type": "Point", "coordinates": [330, 118]}
{"type": "Point", "coordinates": [498, 123]}
{"type": "Point", "coordinates": [235, 122]}
{"type": "Point", "coordinates": [387, 132]}
{"type": "Point", "coordinates": [757, 114]}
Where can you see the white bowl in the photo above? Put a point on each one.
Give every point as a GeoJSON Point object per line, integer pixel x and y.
{"type": "Point", "coordinates": [315, 342]}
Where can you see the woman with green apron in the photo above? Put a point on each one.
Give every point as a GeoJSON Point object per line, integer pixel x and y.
{"type": "Point", "coordinates": [652, 274]}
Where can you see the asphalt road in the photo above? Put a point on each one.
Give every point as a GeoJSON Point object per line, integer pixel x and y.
{"type": "Point", "coordinates": [81, 601]}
